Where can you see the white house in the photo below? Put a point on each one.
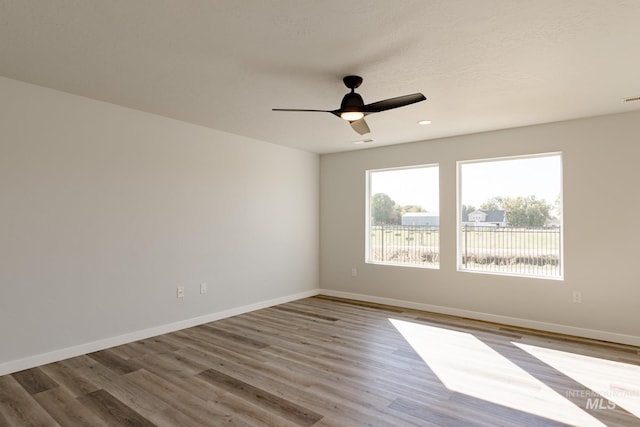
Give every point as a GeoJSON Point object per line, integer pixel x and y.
{"type": "Point", "coordinates": [482, 217]}
{"type": "Point", "coordinates": [421, 218]}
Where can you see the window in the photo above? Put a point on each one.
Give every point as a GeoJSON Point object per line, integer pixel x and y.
{"type": "Point", "coordinates": [510, 216]}
{"type": "Point", "coordinates": [403, 220]}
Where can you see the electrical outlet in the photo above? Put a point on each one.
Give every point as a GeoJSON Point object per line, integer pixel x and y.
{"type": "Point", "coordinates": [354, 272]}
{"type": "Point", "coordinates": [180, 292]}
{"type": "Point", "coordinates": [577, 297]}
{"type": "Point", "coordinates": [203, 288]}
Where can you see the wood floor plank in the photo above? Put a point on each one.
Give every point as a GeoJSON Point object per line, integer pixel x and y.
{"type": "Point", "coordinates": [4, 421]}
{"type": "Point", "coordinates": [137, 397]}
{"type": "Point", "coordinates": [66, 410]}
{"type": "Point", "coordinates": [69, 378]}
{"type": "Point", "coordinates": [252, 414]}
{"type": "Point", "coordinates": [434, 414]}
{"type": "Point", "coordinates": [19, 408]}
{"type": "Point", "coordinates": [78, 362]}
{"type": "Point", "coordinates": [221, 334]}
{"type": "Point", "coordinates": [326, 361]}
{"type": "Point", "coordinates": [257, 396]}
{"type": "Point", "coordinates": [289, 375]}
{"type": "Point", "coordinates": [34, 380]}
{"type": "Point", "coordinates": [199, 411]}
{"type": "Point", "coordinates": [288, 387]}
{"type": "Point", "coordinates": [98, 374]}
{"type": "Point", "coordinates": [306, 313]}
{"type": "Point", "coordinates": [148, 404]}
{"type": "Point", "coordinates": [356, 303]}
{"type": "Point", "coordinates": [114, 362]}
{"type": "Point", "coordinates": [186, 380]}
{"type": "Point", "coordinates": [155, 345]}
{"type": "Point", "coordinates": [113, 411]}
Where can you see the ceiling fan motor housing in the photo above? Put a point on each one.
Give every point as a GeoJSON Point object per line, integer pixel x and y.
{"type": "Point", "coordinates": [352, 102]}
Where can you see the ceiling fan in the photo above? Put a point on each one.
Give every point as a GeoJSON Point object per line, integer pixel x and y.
{"type": "Point", "coordinates": [353, 109]}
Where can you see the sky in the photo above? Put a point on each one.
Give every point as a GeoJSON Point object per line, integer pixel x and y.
{"type": "Point", "coordinates": [413, 186]}
{"type": "Point", "coordinates": [531, 176]}
{"type": "Point", "coordinates": [539, 176]}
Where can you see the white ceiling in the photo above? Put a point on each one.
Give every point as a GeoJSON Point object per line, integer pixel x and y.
{"type": "Point", "coordinates": [482, 65]}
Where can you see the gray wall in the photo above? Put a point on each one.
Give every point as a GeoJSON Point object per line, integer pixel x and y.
{"type": "Point", "coordinates": [600, 166]}
{"type": "Point", "coordinates": [104, 211]}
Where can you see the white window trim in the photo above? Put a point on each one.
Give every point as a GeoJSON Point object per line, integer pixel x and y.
{"type": "Point", "coordinates": [367, 255]}
{"type": "Point", "coordinates": [459, 267]}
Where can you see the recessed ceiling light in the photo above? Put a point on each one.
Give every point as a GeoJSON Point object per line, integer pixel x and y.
{"type": "Point", "coordinates": [424, 122]}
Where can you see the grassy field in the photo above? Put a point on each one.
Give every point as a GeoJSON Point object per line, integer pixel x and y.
{"type": "Point", "coordinates": [486, 239]}
{"type": "Point", "coordinates": [512, 240]}
{"type": "Point", "coordinates": [405, 236]}
{"type": "Point", "coordinates": [505, 250]}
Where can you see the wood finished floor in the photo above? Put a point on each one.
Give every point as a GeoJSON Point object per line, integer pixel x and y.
{"type": "Point", "coordinates": [324, 361]}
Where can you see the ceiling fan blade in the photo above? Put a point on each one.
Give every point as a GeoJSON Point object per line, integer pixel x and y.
{"type": "Point", "coordinates": [391, 103]}
{"type": "Point", "coordinates": [353, 109]}
{"type": "Point", "coordinates": [295, 109]}
{"type": "Point", "coordinates": [360, 126]}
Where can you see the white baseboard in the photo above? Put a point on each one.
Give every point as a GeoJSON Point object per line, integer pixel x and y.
{"type": "Point", "coordinates": [515, 321]}
{"type": "Point", "coordinates": [90, 347]}
{"type": "Point", "coordinates": [78, 350]}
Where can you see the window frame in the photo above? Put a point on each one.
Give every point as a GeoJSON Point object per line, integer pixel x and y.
{"type": "Point", "coordinates": [459, 248]}
{"type": "Point", "coordinates": [368, 216]}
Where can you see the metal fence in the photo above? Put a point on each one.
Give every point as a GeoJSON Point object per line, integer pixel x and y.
{"type": "Point", "coordinates": [511, 250]}
{"type": "Point", "coordinates": [533, 251]}
{"type": "Point", "coordinates": [400, 244]}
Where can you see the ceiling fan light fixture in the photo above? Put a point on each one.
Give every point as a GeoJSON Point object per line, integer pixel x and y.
{"type": "Point", "coordinates": [353, 109]}
{"type": "Point", "coordinates": [351, 116]}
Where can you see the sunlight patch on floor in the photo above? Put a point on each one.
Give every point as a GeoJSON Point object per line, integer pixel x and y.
{"type": "Point", "coordinates": [465, 364]}
{"type": "Point", "coordinates": [614, 381]}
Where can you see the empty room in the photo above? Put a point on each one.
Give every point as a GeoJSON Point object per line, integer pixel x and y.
{"type": "Point", "coordinates": [319, 213]}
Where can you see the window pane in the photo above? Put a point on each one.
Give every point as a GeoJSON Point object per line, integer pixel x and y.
{"type": "Point", "coordinates": [403, 224]}
{"type": "Point", "coordinates": [510, 216]}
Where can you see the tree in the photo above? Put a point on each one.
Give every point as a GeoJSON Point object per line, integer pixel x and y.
{"type": "Point", "coordinates": [558, 206]}
{"type": "Point", "coordinates": [495, 203]}
{"type": "Point", "coordinates": [412, 208]}
{"type": "Point", "coordinates": [467, 209]}
{"type": "Point", "coordinates": [383, 209]}
{"type": "Point", "coordinates": [401, 210]}
{"type": "Point", "coordinates": [521, 211]}
{"type": "Point", "coordinates": [527, 211]}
